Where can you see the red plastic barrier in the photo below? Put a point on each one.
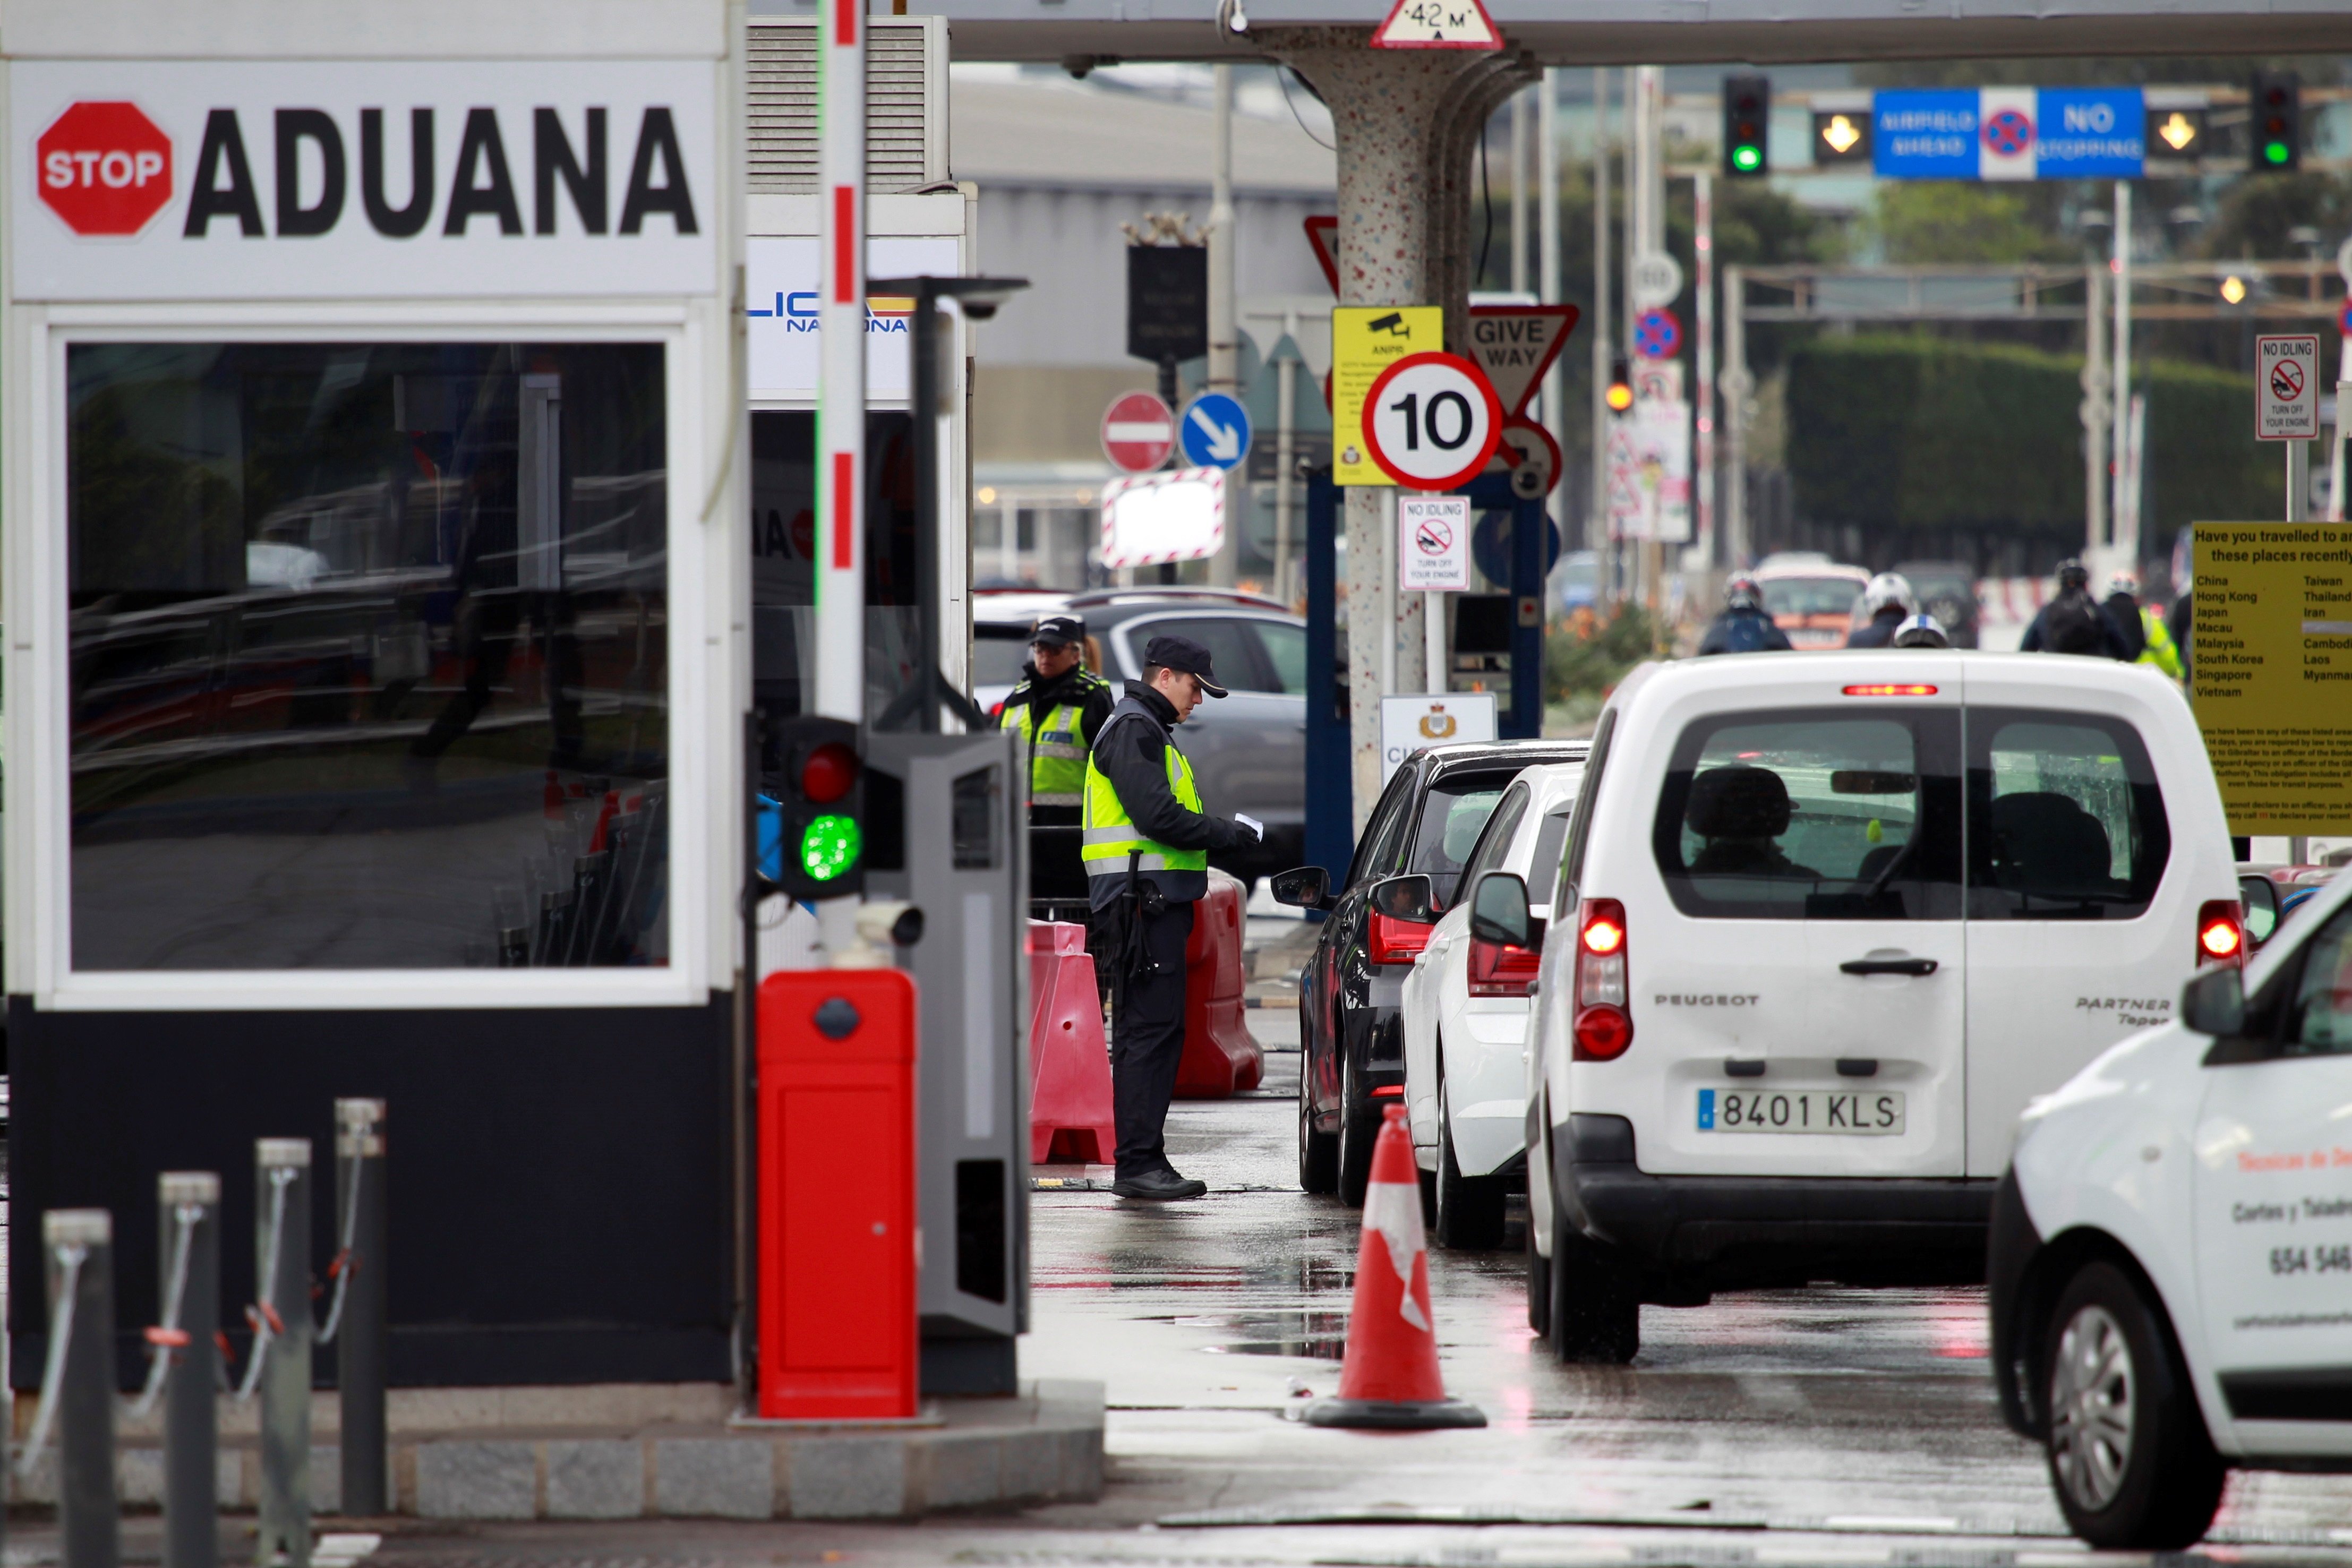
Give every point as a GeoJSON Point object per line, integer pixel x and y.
{"type": "Point", "coordinates": [1069, 1063]}
{"type": "Point", "coordinates": [836, 1203]}
{"type": "Point", "coordinates": [1221, 1056]}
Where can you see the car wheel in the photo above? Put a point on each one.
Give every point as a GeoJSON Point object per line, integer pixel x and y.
{"type": "Point", "coordinates": [2129, 1457]}
{"type": "Point", "coordinates": [1318, 1152]}
{"type": "Point", "coordinates": [1596, 1307]}
{"type": "Point", "coordinates": [1359, 1128]}
{"type": "Point", "coordinates": [1469, 1208]}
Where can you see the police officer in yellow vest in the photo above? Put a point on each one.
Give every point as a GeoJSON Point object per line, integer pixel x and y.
{"type": "Point", "coordinates": [1147, 854]}
{"type": "Point", "coordinates": [1058, 709]}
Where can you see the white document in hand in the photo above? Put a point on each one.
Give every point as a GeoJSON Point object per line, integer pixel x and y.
{"type": "Point", "coordinates": [1251, 823]}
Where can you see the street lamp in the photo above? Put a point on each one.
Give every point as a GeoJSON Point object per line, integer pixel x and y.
{"type": "Point", "coordinates": [979, 298]}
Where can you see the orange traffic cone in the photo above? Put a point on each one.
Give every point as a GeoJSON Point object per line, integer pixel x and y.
{"type": "Point", "coordinates": [1390, 1378]}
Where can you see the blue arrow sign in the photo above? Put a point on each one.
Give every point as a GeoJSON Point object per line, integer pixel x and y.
{"type": "Point", "coordinates": [1215, 431]}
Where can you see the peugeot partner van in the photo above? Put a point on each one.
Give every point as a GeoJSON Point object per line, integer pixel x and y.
{"type": "Point", "coordinates": [1822, 927]}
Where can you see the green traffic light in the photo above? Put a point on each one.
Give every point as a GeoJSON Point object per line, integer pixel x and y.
{"type": "Point", "coordinates": [1747, 158]}
{"type": "Point", "coordinates": [2274, 151]}
{"type": "Point", "coordinates": [829, 846]}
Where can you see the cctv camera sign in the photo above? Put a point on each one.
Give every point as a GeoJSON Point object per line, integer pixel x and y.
{"type": "Point", "coordinates": [144, 180]}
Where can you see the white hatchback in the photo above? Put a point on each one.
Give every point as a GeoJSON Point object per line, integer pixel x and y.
{"type": "Point", "coordinates": [2171, 1253]}
{"type": "Point", "coordinates": [1822, 926]}
{"type": "Point", "coordinates": [1465, 1025]}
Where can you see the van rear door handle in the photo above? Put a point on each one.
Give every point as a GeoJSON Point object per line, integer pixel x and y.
{"type": "Point", "coordinates": [1888, 966]}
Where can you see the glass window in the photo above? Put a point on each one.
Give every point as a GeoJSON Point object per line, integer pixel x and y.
{"type": "Point", "coordinates": [1453, 814]}
{"type": "Point", "coordinates": [2066, 821]}
{"type": "Point", "coordinates": [1549, 837]}
{"type": "Point", "coordinates": [1286, 654]}
{"type": "Point", "coordinates": [368, 656]}
{"type": "Point", "coordinates": [1494, 844]}
{"type": "Point", "coordinates": [998, 653]}
{"type": "Point", "coordinates": [1580, 824]}
{"type": "Point", "coordinates": [1810, 595]}
{"type": "Point", "coordinates": [2321, 1023]}
{"type": "Point", "coordinates": [1232, 651]}
{"type": "Point", "coordinates": [1814, 813]}
{"type": "Point", "coordinates": [1376, 852]}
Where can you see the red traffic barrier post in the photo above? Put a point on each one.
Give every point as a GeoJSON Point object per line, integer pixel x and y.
{"type": "Point", "coordinates": [1221, 1056]}
{"type": "Point", "coordinates": [1070, 1060]}
{"type": "Point", "coordinates": [837, 1265]}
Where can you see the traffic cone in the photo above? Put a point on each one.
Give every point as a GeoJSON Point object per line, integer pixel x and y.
{"type": "Point", "coordinates": [1390, 1378]}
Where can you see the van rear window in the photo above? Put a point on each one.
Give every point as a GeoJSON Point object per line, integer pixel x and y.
{"type": "Point", "coordinates": [1814, 814]}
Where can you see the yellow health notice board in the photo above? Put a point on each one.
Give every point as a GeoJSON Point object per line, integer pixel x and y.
{"type": "Point", "coordinates": [2271, 672]}
{"type": "Point", "coordinates": [1365, 340]}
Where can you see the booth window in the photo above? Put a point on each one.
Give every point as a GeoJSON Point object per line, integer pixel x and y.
{"type": "Point", "coordinates": [367, 659]}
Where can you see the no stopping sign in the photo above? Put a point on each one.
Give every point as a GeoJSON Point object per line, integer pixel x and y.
{"type": "Point", "coordinates": [1432, 420]}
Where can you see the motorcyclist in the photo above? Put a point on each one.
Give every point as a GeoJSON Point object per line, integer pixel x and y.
{"type": "Point", "coordinates": [1920, 631]}
{"type": "Point", "coordinates": [2131, 616]}
{"type": "Point", "coordinates": [1743, 627]}
{"type": "Point", "coordinates": [1888, 602]}
{"type": "Point", "coordinates": [2121, 607]}
{"type": "Point", "coordinates": [2073, 622]}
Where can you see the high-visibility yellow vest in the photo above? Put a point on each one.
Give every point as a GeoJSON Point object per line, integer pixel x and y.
{"type": "Point", "coordinates": [2159, 650]}
{"type": "Point", "coordinates": [1110, 835]}
{"type": "Point", "coordinates": [1057, 751]}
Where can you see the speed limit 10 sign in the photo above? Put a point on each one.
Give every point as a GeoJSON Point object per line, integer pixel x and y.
{"type": "Point", "coordinates": [1432, 420]}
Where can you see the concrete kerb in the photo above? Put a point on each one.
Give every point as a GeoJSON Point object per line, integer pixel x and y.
{"type": "Point", "coordinates": [1044, 1445]}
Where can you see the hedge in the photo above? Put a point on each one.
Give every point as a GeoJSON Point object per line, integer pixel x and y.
{"type": "Point", "coordinates": [1928, 433]}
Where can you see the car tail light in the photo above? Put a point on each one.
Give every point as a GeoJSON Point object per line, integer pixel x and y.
{"type": "Point", "coordinates": [1502, 969]}
{"type": "Point", "coordinates": [1604, 1021]}
{"type": "Point", "coordinates": [1394, 941]}
{"type": "Point", "coordinates": [2220, 933]}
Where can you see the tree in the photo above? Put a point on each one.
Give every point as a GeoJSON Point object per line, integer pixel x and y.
{"type": "Point", "coordinates": [1957, 221]}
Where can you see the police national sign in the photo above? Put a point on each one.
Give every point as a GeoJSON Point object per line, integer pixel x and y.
{"type": "Point", "coordinates": [249, 180]}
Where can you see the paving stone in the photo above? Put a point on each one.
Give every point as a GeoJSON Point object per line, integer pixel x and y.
{"type": "Point", "coordinates": [596, 1478]}
{"type": "Point", "coordinates": [965, 1468]}
{"type": "Point", "coordinates": [715, 1478]}
{"type": "Point", "coordinates": [475, 1480]}
{"type": "Point", "coordinates": [849, 1477]}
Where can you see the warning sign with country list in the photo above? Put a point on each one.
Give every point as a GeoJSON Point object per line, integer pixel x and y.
{"type": "Point", "coordinates": [2271, 672]}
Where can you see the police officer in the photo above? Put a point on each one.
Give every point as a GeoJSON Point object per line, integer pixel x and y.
{"type": "Point", "coordinates": [1147, 857]}
{"type": "Point", "coordinates": [1058, 709]}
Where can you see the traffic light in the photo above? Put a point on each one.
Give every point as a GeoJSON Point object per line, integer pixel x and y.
{"type": "Point", "coordinates": [1620, 395]}
{"type": "Point", "coordinates": [820, 792]}
{"type": "Point", "coordinates": [2275, 114]}
{"type": "Point", "coordinates": [1747, 120]}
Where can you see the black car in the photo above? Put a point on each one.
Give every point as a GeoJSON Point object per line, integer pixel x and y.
{"type": "Point", "coordinates": [1351, 992]}
{"type": "Point", "coordinates": [1947, 589]}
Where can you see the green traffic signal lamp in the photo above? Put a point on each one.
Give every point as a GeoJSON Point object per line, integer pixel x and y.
{"type": "Point", "coordinates": [2274, 108]}
{"type": "Point", "coordinates": [819, 788]}
{"type": "Point", "coordinates": [1747, 120]}
{"type": "Point", "coordinates": [1746, 159]}
{"type": "Point", "coordinates": [829, 847]}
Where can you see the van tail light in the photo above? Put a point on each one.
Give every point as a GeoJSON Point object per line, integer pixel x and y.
{"type": "Point", "coordinates": [1604, 1023]}
{"type": "Point", "coordinates": [2220, 933]}
{"type": "Point", "coordinates": [1501, 970]}
{"type": "Point", "coordinates": [1394, 941]}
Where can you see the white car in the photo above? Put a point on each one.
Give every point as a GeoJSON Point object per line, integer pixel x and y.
{"type": "Point", "coordinates": [2171, 1253]}
{"type": "Point", "coordinates": [1825, 926]}
{"type": "Point", "coordinates": [1465, 1032]}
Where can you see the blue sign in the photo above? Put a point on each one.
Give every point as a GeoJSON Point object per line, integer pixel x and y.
{"type": "Point", "coordinates": [1215, 431]}
{"type": "Point", "coordinates": [2092, 132]}
{"type": "Point", "coordinates": [1924, 133]}
{"type": "Point", "coordinates": [1657, 334]}
{"type": "Point", "coordinates": [1490, 546]}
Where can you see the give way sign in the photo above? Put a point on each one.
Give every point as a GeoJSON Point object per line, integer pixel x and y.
{"type": "Point", "coordinates": [104, 167]}
{"type": "Point", "coordinates": [1432, 420]}
{"type": "Point", "coordinates": [1138, 433]}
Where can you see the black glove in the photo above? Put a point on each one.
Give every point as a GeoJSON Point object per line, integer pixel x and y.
{"type": "Point", "coordinates": [1246, 836]}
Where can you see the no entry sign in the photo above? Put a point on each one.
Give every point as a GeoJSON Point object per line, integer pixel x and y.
{"type": "Point", "coordinates": [1432, 420]}
{"type": "Point", "coordinates": [2287, 388]}
{"type": "Point", "coordinates": [1138, 432]}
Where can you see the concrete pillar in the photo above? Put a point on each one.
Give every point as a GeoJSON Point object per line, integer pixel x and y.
{"type": "Point", "coordinates": [1401, 177]}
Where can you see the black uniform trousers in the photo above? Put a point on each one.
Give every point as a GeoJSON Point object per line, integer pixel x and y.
{"type": "Point", "coordinates": [1147, 1041]}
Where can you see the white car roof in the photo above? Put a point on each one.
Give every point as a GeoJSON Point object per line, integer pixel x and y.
{"type": "Point", "coordinates": [1834, 667]}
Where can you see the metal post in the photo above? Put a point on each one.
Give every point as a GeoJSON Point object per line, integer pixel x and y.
{"type": "Point", "coordinates": [1738, 383]}
{"type": "Point", "coordinates": [2335, 442]}
{"type": "Point", "coordinates": [1518, 192]}
{"type": "Point", "coordinates": [923, 411]}
{"type": "Point", "coordinates": [281, 1227]}
{"type": "Point", "coordinates": [1703, 256]}
{"type": "Point", "coordinates": [840, 686]}
{"type": "Point", "coordinates": [188, 1216]}
{"type": "Point", "coordinates": [1432, 621]}
{"type": "Point", "coordinates": [1596, 521]}
{"type": "Point", "coordinates": [2094, 409]}
{"type": "Point", "coordinates": [2119, 419]}
{"type": "Point", "coordinates": [1224, 337]}
{"type": "Point", "coordinates": [2298, 481]}
{"type": "Point", "coordinates": [1286, 388]}
{"type": "Point", "coordinates": [1389, 618]}
{"type": "Point", "coordinates": [79, 1248]}
{"type": "Point", "coordinates": [361, 1335]}
{"type": "Point", "coordinates": [1551, 406]}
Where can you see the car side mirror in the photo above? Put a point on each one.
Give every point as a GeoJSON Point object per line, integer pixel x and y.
{"type": "Point", "coordinates": [2259, 896]}
{"type": "Point", "coordinates": [1307, 887]}
{"type": "Point", "coordinates": [1407, 898]}
{"type": "Point", "coordinates": [1498, 910]}
{"type": "Point", "coordinates": [2214, 1002]}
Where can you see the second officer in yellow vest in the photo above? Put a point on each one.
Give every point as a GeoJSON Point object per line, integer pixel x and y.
{"type": "Point", "coordinates": [1058, 709]}
{"type": "Point", "coordinates": [1147, 856]}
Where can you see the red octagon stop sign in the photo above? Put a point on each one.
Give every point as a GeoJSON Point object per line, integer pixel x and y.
{"type": "Point", "coordinates": [105, 168]}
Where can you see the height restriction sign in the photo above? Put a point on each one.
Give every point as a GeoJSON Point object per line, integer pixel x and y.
{"type": "Point", "coordinates": [2287, 388]}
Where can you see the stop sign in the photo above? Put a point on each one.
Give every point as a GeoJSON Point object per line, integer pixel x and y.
{"type": "Point", "coordinates": [104, 167]}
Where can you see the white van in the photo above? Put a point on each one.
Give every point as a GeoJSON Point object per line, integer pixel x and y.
{"type": "Point", "coordinates": [2171, 1250]}
{"type": "Point", "coordinates": [1822, 927]}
